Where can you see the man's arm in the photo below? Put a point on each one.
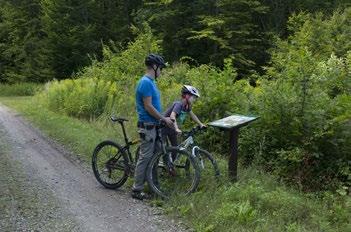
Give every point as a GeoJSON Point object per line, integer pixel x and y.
{"type": "Point", "coordinates": [154, 113]}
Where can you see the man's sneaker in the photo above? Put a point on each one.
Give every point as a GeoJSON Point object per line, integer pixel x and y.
{"type": "Point", "coordinates": [140, 195]}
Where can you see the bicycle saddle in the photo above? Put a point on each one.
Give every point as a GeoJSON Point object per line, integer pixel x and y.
{"type": "Point", "coordinates": [118, 119]}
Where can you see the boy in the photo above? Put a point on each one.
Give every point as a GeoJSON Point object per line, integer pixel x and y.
{"type": "Point", "coordinates": [178, 112]}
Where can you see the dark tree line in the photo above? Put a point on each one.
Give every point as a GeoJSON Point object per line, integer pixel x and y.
{"type": "Point", "coordinates": [45, 39]}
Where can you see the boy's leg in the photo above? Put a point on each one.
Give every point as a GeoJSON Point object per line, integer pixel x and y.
{"type": "Point", "coordinates": [172, 136]}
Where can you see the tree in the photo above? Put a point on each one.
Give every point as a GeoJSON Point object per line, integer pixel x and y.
{"type": "Point", "coordinates": [231, 29]}
{"type": "Point", "coordinates": [210, 31]}
{"type": "Point", "coordinates": [114, 19]}
{"type": "Point", "coordinates": [280, 10]}
{"type": "Point", "coordinates": [172, 22]}
{"type": "Point", "coordinates": [71, 34]}
{"type": "Point", "coordinates": [22, 42]}
{"type": "Point", "coordinates": [77, 29]}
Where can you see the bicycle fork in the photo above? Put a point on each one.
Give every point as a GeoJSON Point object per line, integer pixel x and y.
{"type": "Point", "coordinates": [195, 154]}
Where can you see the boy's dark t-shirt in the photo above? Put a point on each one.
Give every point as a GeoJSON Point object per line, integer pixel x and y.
{"type": "Point", "coordinates": [180, 111]}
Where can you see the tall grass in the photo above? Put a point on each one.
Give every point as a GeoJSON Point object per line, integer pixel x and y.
{"type": "Point", "coordinates": [20, 89]}
{"type": "Point", "coordinates": [81, 98]}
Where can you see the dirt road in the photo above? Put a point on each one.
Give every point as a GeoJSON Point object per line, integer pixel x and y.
{"type": "Point", "coordinates": [45, 188]}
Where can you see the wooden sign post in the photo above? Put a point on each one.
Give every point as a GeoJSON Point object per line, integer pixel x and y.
{"type": "Point", "coordinates": [233, 124]}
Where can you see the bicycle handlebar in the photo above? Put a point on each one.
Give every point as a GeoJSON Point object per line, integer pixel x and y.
{"type": "Point", "coordinates": [193, 131]}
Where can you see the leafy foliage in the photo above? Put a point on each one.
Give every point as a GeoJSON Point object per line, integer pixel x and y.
{"type": "Point", "coordinates": [303, 100]}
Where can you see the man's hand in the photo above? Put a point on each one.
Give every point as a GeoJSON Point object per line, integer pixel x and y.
{"type": "Point", "coordinates": [169, 122]}
{"type": "Point", "coordinates": [178, 131]}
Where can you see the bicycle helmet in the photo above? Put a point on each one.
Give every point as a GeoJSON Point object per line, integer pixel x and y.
{"type": "Point", "coordinates": [188, 89]}
{"type": "Point", "coordinates": [154, 59]}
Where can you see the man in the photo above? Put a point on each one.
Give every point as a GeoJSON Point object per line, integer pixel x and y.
{"type": "Point", "coordinates": [149, 110]}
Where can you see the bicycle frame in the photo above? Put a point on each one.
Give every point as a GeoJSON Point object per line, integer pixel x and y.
{"type": "Point", "coordinates": [189, 142]}
{"type": "Point", "coordinates": [128, 144]}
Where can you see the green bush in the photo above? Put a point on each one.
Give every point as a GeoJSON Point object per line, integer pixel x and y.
{"type": "Point", "coordinates": [304, 131]}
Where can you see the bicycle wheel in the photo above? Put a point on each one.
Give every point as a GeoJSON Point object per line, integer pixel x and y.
{"type": "Point", "coordinates": [207, 163]}
{"type": "Point", "coordinates": [110, 164]}
{"type": "Point", "coordinates": [183, 179]}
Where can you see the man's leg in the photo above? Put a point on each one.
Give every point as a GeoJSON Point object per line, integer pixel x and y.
{"type": "Point", "coordinates": [147, 148]}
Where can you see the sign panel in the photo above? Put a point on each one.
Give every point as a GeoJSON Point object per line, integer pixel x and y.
{"type": "Point", "coordinates": [233, 121]}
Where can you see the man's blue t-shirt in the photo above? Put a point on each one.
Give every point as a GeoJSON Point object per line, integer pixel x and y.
{"type": "Point", "coordinates": [147, 88]}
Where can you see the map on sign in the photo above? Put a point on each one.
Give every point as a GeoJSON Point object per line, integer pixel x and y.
{"type": "Point", "coordinates": [232, 121]}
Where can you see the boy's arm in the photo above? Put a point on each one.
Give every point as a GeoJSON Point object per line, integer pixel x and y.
{"type": "Point", "coordinates": [196, 119]}
{"type": "Point", "coordinates": [173, 117]}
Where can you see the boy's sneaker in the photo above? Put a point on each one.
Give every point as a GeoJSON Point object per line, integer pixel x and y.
{"type": "Point", "coordinates": [171, 170]}
{"type": "Point", "coordinates": [140, 195]}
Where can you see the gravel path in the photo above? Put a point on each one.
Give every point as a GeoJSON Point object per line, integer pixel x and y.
{"type": "Point", "coordinates": [44, 188]}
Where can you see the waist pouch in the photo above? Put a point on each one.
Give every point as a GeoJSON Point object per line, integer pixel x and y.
{"type": "Point", "coordinates": [147, 125]}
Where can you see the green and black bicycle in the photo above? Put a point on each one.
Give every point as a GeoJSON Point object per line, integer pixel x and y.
{"type": "Point", "coordinates": [206, 161]}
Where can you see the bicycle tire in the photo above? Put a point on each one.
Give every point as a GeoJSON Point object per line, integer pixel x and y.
{"type": "Point", "coordinates": [213, 162]}
{"type": "Point", "coordinates": [183, 165]}
{"type": "Point", "coordinates": [112, 164]}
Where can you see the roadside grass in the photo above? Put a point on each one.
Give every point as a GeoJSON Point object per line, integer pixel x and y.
{"type": "Point", "coordinates": [20, 89]}
{"type": "Point", "coordinates": [257, 202]}
{"type": "Point", "coordinates": [79, 136]}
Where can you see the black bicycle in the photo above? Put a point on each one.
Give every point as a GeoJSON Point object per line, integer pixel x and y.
{"type": "Point", "coordinates": [112, 165]}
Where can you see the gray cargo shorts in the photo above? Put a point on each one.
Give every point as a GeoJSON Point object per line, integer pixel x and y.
{"type": "Point", "coordinates": [148, 147]}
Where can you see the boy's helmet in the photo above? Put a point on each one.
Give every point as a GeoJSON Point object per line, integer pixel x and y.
{"type": "Point", "coordinates": [188, 89]}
